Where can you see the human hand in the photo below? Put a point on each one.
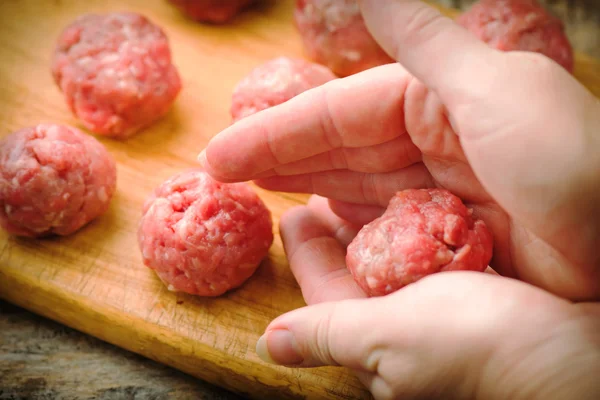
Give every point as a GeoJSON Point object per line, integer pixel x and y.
{"type": "Point", "coordinates": [527, 167]}
{"type": "Point", "coordinates": [512, 134]}
{"type": "Point", "coordinates": [456, 335]}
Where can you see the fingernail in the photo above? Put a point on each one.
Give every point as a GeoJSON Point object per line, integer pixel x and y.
{"type": "Point", "coordinates": [202, 158]}
{"type": "Point", "coordinates": [278, 347]}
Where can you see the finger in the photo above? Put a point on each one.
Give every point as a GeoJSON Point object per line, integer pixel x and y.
{"type": "Point", "coordinates": [435, 316]}
{"type": "Point", "coordinates": [342, 230]}
{"type": "Point", "coordinates": [352, 187]}
{"type": "Point", "coordinates": [317, 260]}
{"type": "Point", "coordinates": [435, 49]}
{"type": "Point", "coordinates": [390, 156]}
{"type": "Point", "coordinates": [312, 336]}
{"type": "Point", "coordinates": [359, 214]}
{"type": "Point", "coordinates": [335, 115]}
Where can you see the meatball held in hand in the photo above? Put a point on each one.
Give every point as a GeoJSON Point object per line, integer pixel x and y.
{"type": "Point", "coordinates": [519, 25]}
{"type": "Point", "coordinates": [211, 11]}
{"type": "Point", "coordinates": [422, 232]}
{"type": "Point", "coordinates": [276, 82]}
{"type": "Point", "coordinates": [204, 237]}
{"type": "Point", "coordinates": [334, 34]}
{"type": "Point", "coordinates": [116, 73]}
{"type": "Point", "coordinates": [54, 179]}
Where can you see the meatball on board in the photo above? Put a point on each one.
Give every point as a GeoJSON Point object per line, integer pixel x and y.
{"type": "Point", "coordinates": [95, 278]}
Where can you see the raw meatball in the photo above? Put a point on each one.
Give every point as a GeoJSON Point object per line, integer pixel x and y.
{"type": "Point", "coordinates": [519, 25]}
{"type": "Point", "coordinates": [54, 179]}
{"type": "Point", "coordinates": [421, 232]}
{"type": "Point", "coordinates": [276, 82]}
{"type": "Point", "coordinates": [204, 237]}
{"type": "Point", "coordinates": [116, 73]}
{"type": "Point", "coordinates": [212, 11]}
{"type": "Point", "coordinates": [334, 34]}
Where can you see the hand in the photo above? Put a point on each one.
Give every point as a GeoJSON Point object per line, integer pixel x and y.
{"type": "Point", "coordinates": [456, 335]}
{"type": "Point", "coordinates": [512, 134]}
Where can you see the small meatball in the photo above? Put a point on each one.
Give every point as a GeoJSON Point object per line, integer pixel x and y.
{"type": "Point", "coordinates": [276, 82]}
{"type": "Point", "coordinates": [519, 25]}
{"type": "Point", "coordinates": [54, 179]}
{"type": "Point", "coordinates": [421, 232]}
{"type": "Point", "coordinates": [204, 237]}
{"type": "Point", "coordinates": [116, 73]}
{"type": "Point", "coordinates": [211, 11]}
{"type": "Point", "coordinates": [334, 34]}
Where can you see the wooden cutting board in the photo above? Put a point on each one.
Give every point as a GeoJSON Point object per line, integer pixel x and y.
{"type": "Point", "coordinates": [94, 281]}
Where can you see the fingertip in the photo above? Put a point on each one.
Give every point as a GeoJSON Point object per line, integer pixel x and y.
{"type": "Point", "coordinates": [279, 347]}
{"type": "Point", "coordinates": [299, 225]}
{"type": "Point", "coordinates": [421, 38]}
{"type": "Point", "coordinates": [262, 350]}
{"type": "Point", "coordinates": [206, 167]}
{"type": "Point", "coordinates": [357, 214]}
{"type": "Point", "coordinates": [315, 201]}
{"type": "Point", "coordinates": [292, 214]}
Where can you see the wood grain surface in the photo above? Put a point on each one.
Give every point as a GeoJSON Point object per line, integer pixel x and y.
{"type": "Point", "coordinates": [94, 281]}
{"type": "Point", "coordinates": [44, 360]}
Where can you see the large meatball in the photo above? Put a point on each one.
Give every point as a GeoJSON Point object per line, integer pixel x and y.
{"type": "Point", "coordinates": [204, 237]}
{"type": "Point", "coordinates": [334, 34]}
{"type": "Point", "coordinates": [421, 232]}
{"type": "Point", "coordinates": [276, 82]}
{"type": "Point", "coordinates": [116, 73]}
{"type": "Point", "coordinates": [519, 25]}
{"type": "Point", "coordinates": [54, 179]}
{"type": "Point", "coordinates": [212, 11]}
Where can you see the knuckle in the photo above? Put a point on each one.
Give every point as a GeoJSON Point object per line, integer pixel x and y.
{"type": "Point", "coordinates": [338, 159]}
{"type": "Point", "coordinates": [329, 125]}
{"type": "Point", "coordinates": [324, 340]}
{"type": "Point", "coordinates": [369, 188]}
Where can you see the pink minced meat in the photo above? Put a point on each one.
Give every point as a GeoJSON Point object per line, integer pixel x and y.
{"type": "Point", "coordinates": [519, 25]}
{"type": "Point", "coordinates": [203, 237]}
{"type": "Point", "coordinates": [334, 34]}
{"type": "Point", "coordinates": [212, 11]}
{"type": "Point", "coordinates": [116, 72]}
{"type": "Point", "coordinates": [54, 179]}
{"type": "Point", "coordinates": [422, 232]}
{"type": "Point", "coordinates": [276, 82]}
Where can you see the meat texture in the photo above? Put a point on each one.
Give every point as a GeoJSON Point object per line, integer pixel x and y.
{"type": "Point", "coordinates": [54, 179]}
{"type": "Point", "coordinates": [211, 11]}
{"type": "Point", "coordinates": [519, 25]}
{"type": "Point", "coordinates": [334, 34]}
{"type": "Point", "coordinates": [116, 73]}
{"type": "Point", "coordinates": [422, 232]}
{"type": "Point", "coordinates": [276, 82]}
{"type": "Point", "coordinates": [204, 237]}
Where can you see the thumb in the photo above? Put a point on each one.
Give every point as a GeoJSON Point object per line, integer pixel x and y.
{"type": "Point", "coordinates": [324, 334]}
{"type": "Point", "coordinates": [432, 47]}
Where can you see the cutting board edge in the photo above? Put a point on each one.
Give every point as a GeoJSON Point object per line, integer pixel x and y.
{"type": "Point", "coordinates": [46, 298]}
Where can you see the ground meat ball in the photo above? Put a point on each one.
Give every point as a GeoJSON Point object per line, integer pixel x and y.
{"type": "Point", "coordinates": [334, 34]}
{"type": "Point", "coordinates": [519, 25]}
{"type": "Point", "coordinates": [204, 237]}
{"type": "Point", "coordinates": [212, 11]}
{"type": "Point", "coordinates": [116, 73]}
{"type": "Point", "coordinates": [276, 82]}
{"type": "Point", "coordinates": [421, 232]}
{"type": "Point", "coordinates": [54, 179]}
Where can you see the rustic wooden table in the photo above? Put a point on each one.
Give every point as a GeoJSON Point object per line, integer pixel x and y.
{"type": "Point", "coordinates": [40, 359]}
